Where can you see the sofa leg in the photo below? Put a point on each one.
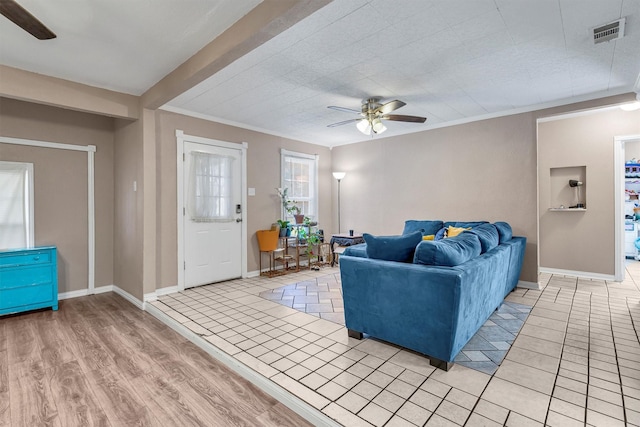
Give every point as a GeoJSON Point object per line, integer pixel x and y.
{"type": "Point", "coordinates": [440, 364]}
{"type": "Point", "coordinates": [354, 334]}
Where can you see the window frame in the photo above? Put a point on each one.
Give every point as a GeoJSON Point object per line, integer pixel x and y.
{"type": "Point", "coordinates": [28, 200]}
{"type": "Point", "coordinates": [313, 181]}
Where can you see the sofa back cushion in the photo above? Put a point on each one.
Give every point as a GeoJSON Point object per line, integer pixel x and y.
{"type": "Point", "coordinates": [488, 236]}
{"type": "Point", "coordinates": [504, 231]}
{"type": "Point", "coordinates": [448, 252]}
{"type": "Point", "coordinates": [464, 224]}
{"type": "Point", "coordinates": [392, 248]}
{"type": "Point", "coordinates": [425, 227]}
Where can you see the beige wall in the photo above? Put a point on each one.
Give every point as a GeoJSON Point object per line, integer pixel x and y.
{"type": "Point", "coordinates": [581, 241]}
{"type": "Point", "coordinates": [484, 170]}
{"type": "Point", "coordinates": [263, 174]}
{"type": "Point", "coordinates": [128, 208]}
{"type": "Point", "coordinates": [61, 184]}
{"type": "Point", "coordinates": [478, 171]}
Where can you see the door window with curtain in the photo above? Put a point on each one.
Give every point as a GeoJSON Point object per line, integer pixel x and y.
{"type": "Point", "coordinates": [210, 196]}
{"type": "Point", "coordinates": [300, 176]}
{"type": "Point", "coordinates": [16, 205]}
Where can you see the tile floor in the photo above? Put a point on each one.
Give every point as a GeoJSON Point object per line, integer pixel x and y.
{"type": "Point", "coordinates": [575, 361]}
{"type": "Point", "coordinates": [484, 352]}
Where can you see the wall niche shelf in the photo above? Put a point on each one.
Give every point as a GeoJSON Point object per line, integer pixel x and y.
{"type": "Point", "coordinates": [563, 194]}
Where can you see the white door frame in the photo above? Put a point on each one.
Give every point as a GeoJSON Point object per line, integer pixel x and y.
{"type": "Point", "coordinates": [618, 167]}
{"type": "Point", "coordinates": [91, 207]}
{"type": "Point", "coordinates": [181, 138]}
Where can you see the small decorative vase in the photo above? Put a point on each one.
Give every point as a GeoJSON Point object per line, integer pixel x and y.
{"type": "Point", "coordinates": [299, 218]}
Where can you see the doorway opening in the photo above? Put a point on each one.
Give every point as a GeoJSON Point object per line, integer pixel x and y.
{"type": "Point", "coordinates": [627, 203]}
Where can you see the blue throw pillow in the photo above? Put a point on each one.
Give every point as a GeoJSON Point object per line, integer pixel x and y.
{"type": "Point", "coordinates": [426, 227]}
{"type": "Point", "coordinates": [440, 234]}
{"type": "Point", "coordinates": [448, 252]}
{"type": "Point", "coordinates": [504, 231]}
{"type": "Point", "coordinates": [392, 248]}
{"type": "Point", "coordinates": [488, 236]}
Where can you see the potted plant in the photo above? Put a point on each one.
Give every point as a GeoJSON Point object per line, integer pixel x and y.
{"type": "Point", "coordinates": [294, 210]}
{"type": "Point", "coordinates": [284, 228]}
{"type": "Point", "coordinates": [289, 206]}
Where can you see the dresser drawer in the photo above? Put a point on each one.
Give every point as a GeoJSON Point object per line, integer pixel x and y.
{"type": "Point", "coordinates": [27, 295]}
{"type": "Point", "coordinates": [31, 257]}
{"type": "Point", "coordinates": [25, 276]}
{"type": "Point", "coordinates": [28, 279]}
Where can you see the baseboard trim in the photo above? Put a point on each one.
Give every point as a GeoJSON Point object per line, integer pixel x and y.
{"type": "Point", "coordinates": [153, 296]}
{"type": "Point", "coordinates": [528, 285]}
{"type": "Point", "coordinates": [84, 292]}
{"type": "Point", "coordinates": [126, 295]}
{"type": "Point", "coordinates": [73, 294]}
{"type": "Point", "coordinates": [294, 403]}
{"type": "Point", "coordinates": [103, 289]}
{"type": "Point", "coordinates": [252, 274]}
{"type": "Point", "coordinates": [581, 274]}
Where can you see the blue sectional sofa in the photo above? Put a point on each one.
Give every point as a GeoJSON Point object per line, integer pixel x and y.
{"type": "Point", "coordinates": [430, 296]}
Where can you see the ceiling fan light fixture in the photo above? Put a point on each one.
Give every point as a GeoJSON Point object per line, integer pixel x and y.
{"type": "Point", "coordinates": [364, 126]}
{"type": "Point", "coordinates": [377, 126]}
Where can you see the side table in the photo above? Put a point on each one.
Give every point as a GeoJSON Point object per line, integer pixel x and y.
{"type": "Point", "coordinates": [343, 240]}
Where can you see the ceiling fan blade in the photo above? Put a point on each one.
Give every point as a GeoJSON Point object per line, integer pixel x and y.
{"type": "Point", "coordinates": [401, 118]}
{"type": "Point", "coordinates": [22, 18]}
{"type": "Point", "coordinates": [389, 107]}
{"type": "Point", "coordinates": [343, 123]}
{"type": "Point", "coordinates": [347, 110]}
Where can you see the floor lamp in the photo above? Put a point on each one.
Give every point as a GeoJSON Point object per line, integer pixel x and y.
{"type": "Point", "coordinates": [339, 176]}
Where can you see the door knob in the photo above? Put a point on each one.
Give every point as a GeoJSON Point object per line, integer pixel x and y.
{"type": "Point", "coordinates": [238, 219]}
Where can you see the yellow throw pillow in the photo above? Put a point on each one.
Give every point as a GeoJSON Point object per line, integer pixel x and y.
{"type": "Point", "coordinates": [454, 231]}
{"type": "Point", "coordinates": [429, 237]}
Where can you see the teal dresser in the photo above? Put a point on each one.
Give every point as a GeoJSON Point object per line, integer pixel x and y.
{"type": "Point", "coordinates": [28, 279]}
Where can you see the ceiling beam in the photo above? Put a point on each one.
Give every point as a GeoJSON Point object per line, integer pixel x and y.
{"type": "Point", "coordinates": [265, 21]}
{"type": "Point", "coordinates": [27, 86]}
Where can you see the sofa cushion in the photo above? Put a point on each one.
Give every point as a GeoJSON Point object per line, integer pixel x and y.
{"type": "Point", "coordinates": [464, 224]}
{"type": "Point", "coordinates": [504, 231]}
{"type": "Point", "coordinates": [448, 252]}
{"type": "Point", "coordinates": [359, 250]}
{"type": "Point", "coordinates": [426, 227]}
{"type": "Point", "coordinates": [392, 248]}
{"type": "Point", "coordinates": [488, 236]}
{"type": "Point", "coordinates": [454, 231]}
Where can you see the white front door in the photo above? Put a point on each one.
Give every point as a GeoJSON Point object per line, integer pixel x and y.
{"type": "Point", "coordinates": [212, 213]}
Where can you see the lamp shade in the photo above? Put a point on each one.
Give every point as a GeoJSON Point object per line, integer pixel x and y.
{"type": "Point", "coordinates": [364, 126]}
{"type": "Point", "coordinates": [377, 126]}
{"type": "Point", "coordinates": [339, 175]}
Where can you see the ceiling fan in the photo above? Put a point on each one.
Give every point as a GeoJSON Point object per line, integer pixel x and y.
{"type": "Point", "coordinates": [25, 20]}
{"type": "Point", "coordinates": [372, 114]}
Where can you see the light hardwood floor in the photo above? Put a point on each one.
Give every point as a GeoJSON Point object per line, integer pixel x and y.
{"type": "Point", "coordinates": [101, 361]}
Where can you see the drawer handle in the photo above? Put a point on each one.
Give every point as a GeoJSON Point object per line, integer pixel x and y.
{"type": "Point", "coordinates": [36, 258]}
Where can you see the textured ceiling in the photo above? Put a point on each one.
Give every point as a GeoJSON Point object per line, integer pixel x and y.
{"type": "Point", "coordinates": [449, 60]}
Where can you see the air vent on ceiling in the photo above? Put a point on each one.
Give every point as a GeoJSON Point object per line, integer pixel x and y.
{"type": "Point", "coordinates": [608, 32]}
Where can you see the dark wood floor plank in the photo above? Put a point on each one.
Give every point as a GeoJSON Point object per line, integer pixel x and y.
{"type": "Point", "coordinates": [169, 404]}
{"type": "Point", "coordinates": [101, 361]}
{"type": "Point", "coordinates": [3, 333]}
{"type": "Point", "coordinates": [83, 342]}
{"type": "Point", "coordinates": [279, 416]}
{"type": "Point", "coordinates": [54, 349]}
{"type": "Point", "coordinates": [77, 405]}
{"type": "Point", "coordinates": [22, 346]}
{"type": "Point", "coordinates": [5, 406]}
{"type": "Point", "coordinates": [32, 402]}
{"type": "Point", "coordinates": [119, 399]}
